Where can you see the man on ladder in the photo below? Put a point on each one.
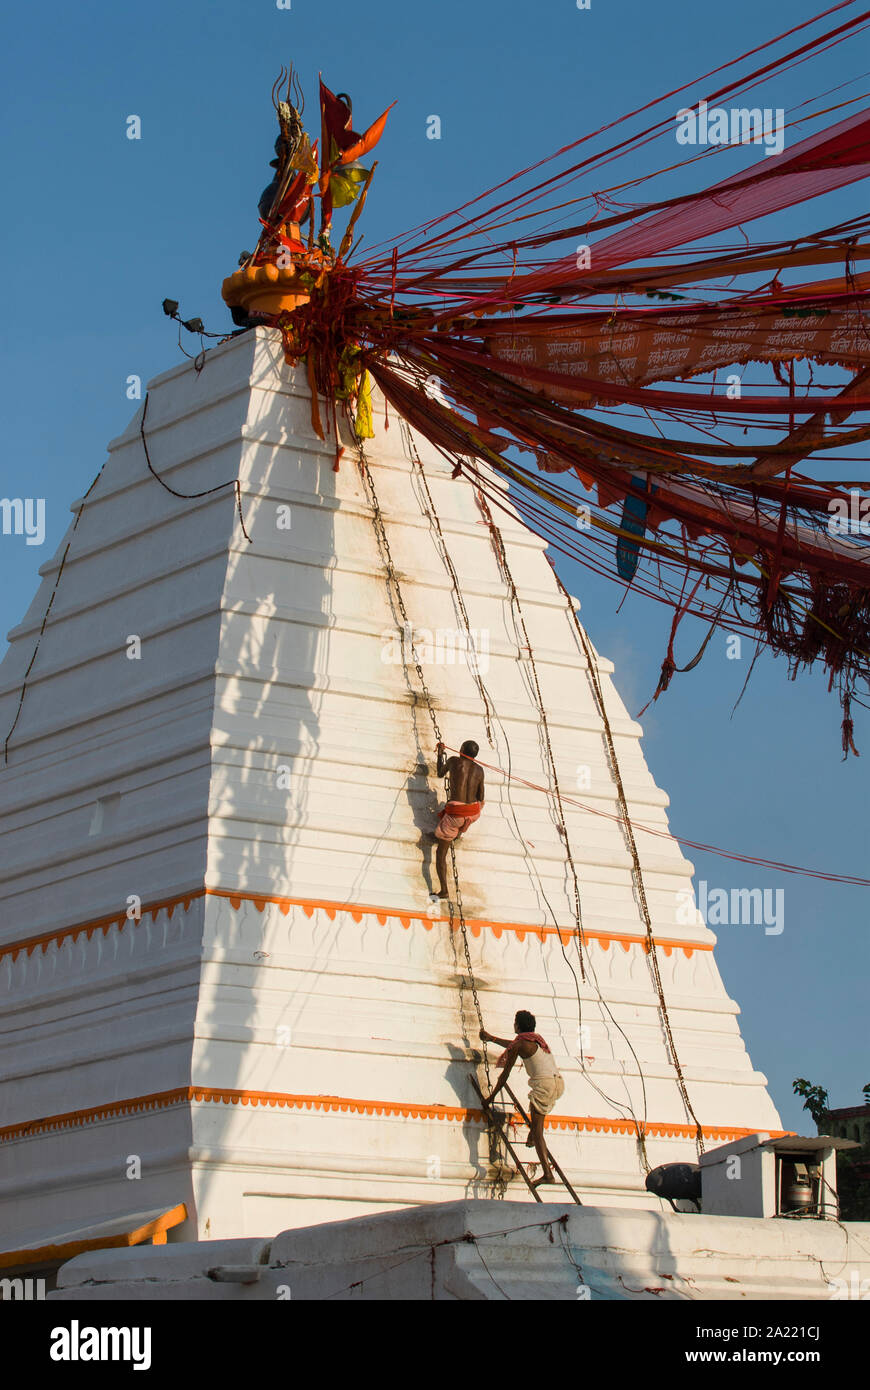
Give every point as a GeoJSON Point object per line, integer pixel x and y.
{"type": "Point", "coordinates": [545, 1084]}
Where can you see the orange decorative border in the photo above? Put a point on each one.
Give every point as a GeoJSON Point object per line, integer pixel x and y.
{"type": "Point", "coordinates": [162, 1100]}
{"type": "Point", "coordinates": [103, 924]}
{"type": "Point", "coordinates": [355, 910]}
{"type": "Point", "coordinates": [475, 924]}
{"type": "Point", "coordinates": [155, 1231]}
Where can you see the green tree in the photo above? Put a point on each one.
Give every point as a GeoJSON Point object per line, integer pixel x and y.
{"type": "Point", "coordinates": [815, 1099]}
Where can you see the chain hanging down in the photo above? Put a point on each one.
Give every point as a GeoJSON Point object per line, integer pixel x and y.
{"type": "Point", "coordinates": [497, 1156]}
{"type": "Point", "coordinates": [637, 873]}
{"type": "Point", "coordinates": [501, 556]}
{"type": "Point", "coordinates": [435, 523]}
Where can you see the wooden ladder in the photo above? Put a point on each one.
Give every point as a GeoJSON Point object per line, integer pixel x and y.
{"type": "Point", "coordinates": [501, 1119]}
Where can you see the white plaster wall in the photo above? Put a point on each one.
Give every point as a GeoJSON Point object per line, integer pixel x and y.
{"type": "Point", "coordinates": [321, 1006]}
{"type": "Point", "coordinates": [374, 1010]}
{"type": "Point", "coordinates": [301, 679]}
{"type": "Point", "coordinates": [268, 654]}
{"type": "Point", "coordinates": [87, 1023]}
{"type": "Point", "coordinates": [94, 723]}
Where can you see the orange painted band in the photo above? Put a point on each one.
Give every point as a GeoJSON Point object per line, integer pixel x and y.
{"type": "Point", "coordinates": [155, 1231]}
{"type": "Point", "coordinates": [475, 924]}
{"type": "Point", "coordinates": [115, 919]}
{"type": "Point", "coordinates": [356, 910]}
{"type": "Point", "coordinates": [162, 1100]}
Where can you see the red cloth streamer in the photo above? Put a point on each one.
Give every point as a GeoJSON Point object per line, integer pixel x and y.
{"type": "Point", "coordinates": [521, 1037]}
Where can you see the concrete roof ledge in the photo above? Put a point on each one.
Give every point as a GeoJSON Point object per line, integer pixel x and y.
{"type": "Point", "coordinates": [167, 1263]}
{"type": "Point", "coordinates": [483, 1250]}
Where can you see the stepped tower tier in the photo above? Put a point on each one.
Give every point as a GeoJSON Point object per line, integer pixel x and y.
{"type": "Point", "coordinates": [219, 954]}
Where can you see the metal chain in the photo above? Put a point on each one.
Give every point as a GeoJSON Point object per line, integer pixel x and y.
{"type": "Point", "coordinates": [498, 544]}
{"type": "Point", "coordinates": [434, 521]}
{"type": "Point", "coordinates": [501, 555]}
{"type": "Point", "coordinates": [494, 1136]}
{"type": "Point", "coordinates": [497, 1149]}
{"type": "Point", "coordinates": [392, 575]}
{"type": "Point", "coordinates": [44, 624]}
{"type": "Point", "coordinates": [454, 578]}
{"type": "Point", "coordinates": [465, 947]}
{"type": "Point", "coordinates": [496, 1141]}
{"type": "Point", "coordinates": [652, 957]}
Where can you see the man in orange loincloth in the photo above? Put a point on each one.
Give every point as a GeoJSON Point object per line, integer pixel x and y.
{"type": "Point", "coordinates": [466, 795]}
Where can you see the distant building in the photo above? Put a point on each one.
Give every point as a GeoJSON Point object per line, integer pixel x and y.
{"type": "Point", "coordinates": [852, 1122]}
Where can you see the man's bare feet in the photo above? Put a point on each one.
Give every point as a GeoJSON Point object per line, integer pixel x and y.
{"type": "Point", "coordinates": [547, 1177]}
{"type": "Point", "coordinates": [442, 894]}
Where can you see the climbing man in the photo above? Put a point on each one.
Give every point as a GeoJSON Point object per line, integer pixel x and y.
{"type": "Point", "coordinates": [465, 802]}
{"type": "Point", "coordinates": [545, 1083]}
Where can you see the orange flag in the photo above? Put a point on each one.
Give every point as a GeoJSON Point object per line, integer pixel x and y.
{"type": "Point", "coordinates": [367, 141]}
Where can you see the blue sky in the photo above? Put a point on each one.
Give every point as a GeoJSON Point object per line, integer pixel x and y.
{"type": "Point", "coordinates": [98, 229]}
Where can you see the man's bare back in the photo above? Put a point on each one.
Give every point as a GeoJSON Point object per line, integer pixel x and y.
{"type": "Point", "coordinates": [465, 791]}
{"type": "Point", "coordinates": [465, 780]}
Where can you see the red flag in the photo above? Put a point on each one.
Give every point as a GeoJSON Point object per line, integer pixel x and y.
{"type": "Point", "coordinates": [335, 121]}
{"type": "Point", "coordinates": [295, 202]}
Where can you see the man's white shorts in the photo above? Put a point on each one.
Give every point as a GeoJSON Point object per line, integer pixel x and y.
{"type": "Point", "coordinates": [545, 1091]}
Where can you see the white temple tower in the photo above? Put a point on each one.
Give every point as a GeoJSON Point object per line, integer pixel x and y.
{"type": "Point", "coordinates": [221, 731]}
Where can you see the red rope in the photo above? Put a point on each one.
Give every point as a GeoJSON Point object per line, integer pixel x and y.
{"type": "Point", "coordinates": [681, 839]}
